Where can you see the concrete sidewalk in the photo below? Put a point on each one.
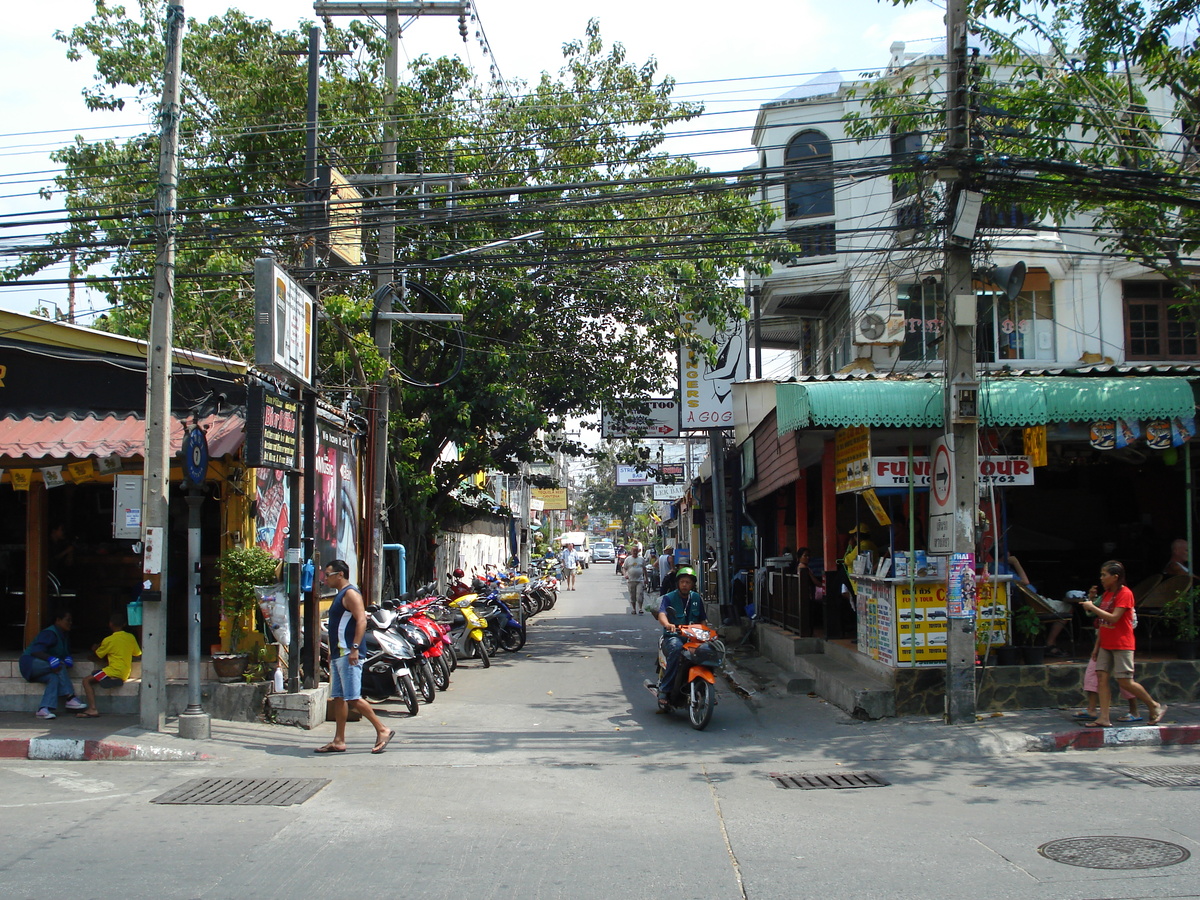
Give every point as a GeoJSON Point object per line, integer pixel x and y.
{"type": "Point", "coordinates": [1040, 730]}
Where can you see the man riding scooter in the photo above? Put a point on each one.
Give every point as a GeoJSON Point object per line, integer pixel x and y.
{"type": "Point", "coordinates": [682, 606]}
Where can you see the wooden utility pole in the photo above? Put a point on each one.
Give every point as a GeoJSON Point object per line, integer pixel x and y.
{"type": "Point", "coordinates": [157, 468]}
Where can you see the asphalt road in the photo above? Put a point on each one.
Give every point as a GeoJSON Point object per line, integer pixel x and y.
{"type": "Point", "coordinates": [550, 775]}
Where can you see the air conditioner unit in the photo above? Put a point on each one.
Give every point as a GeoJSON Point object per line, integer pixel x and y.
{"type": "Point", "coordinates": [879, 326]}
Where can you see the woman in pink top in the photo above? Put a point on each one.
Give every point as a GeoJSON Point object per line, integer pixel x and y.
{"type": "Point", "coordinates": [1115, 643]}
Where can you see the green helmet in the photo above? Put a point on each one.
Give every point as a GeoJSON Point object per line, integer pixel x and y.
{"type": "Point", "coordinates": [688, 571]}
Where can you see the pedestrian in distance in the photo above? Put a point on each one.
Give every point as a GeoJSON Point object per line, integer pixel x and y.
{"type": "Point", "coordinates": [48, 661]}
{"type": "Point", "coordinates": [347, 627]}
{"type": "Point", "coordinates": [115, 653]}
{"type": "Point", "coordinates": [665, 562]}
{"type": "Point", "coordinates": [570, 562]}
{"type": "Point", "coordinates": [635, 575]}
{"type": "Point", "coordinates": [1115, 643]}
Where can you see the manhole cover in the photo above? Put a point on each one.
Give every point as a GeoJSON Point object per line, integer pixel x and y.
{"type": "Point", "coordinates": [1164, 776]}
{"type": "Point", "coordinates": [243, 791]}
{"type": "Point", "coordinates": [1108, 852]}
{"type": "Point", "coordinates": [835, 780]}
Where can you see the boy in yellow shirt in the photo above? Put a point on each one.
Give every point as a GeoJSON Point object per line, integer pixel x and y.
{"type": "Point", "coordinates": [118, 649]}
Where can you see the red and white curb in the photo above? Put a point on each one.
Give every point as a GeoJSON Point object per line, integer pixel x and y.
{"type": "Point", "coordinates": [1117, 736]}
{"type": "Point", "coordinates": [78, 749]}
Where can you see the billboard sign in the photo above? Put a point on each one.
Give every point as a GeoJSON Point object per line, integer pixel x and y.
{"type": "Point", "coordinates": [632, 476]}
{"type": "Point", "coordinates": [272, 429]}
{"type": "Point", "coordinates": [343, 216]}
{"type": "Point", "coordinates": [283, 323]}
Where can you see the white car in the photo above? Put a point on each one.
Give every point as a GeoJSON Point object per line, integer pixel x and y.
{"type": "Point", "coordinates": [604, 551]}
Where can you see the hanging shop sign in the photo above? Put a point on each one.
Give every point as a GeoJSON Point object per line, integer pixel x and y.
{"type": "Point", "coordinates": [283, 323]}
{"type": "Point", "coordinates": [272, 429]}
{"type": "Point", "coordinates": [707, 390]}
{"type": "Point", "coordinates": [852, 458]}
{"type": "Point", "coordinates": [999, 471]}
{"type": "Point", "coordinates": [1158, 434]}
{"type": "Point", "coordinates": [653, 418]}
{"type": "Point", "coordinates": [632, 476]}
{"type": "Point", "coordinates": [552, 498]}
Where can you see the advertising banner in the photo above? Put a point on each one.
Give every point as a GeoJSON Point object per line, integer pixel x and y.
{"type": "Point", "coordinates": [631, 476]}
{"type": "Point", "coordinates": [999, 471]}
{"type": "Point", "coordinates": [852, 455]}
{"type": "Point", "coordinates": [552, 498]}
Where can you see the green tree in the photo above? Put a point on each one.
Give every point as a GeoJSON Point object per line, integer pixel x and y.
{"type": "Point", "coordinates": [633, 237]}
{"type": "Point", "coordinates": [1084, 108]}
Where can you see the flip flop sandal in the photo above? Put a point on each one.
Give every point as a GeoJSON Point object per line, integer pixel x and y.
{"type": "Point", "coordinates": [1086, 716]}
{"type": "Point", "coordinates": [329, 748]}
{"type": "Point", "coordinates": [1095, 725]}
{"type": "Point", "coordinates": [380, 747]}
{"type": "Point", "coordinates": [1131, 718]}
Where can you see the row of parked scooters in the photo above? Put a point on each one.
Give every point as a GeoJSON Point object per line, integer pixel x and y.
{"type": "Point", "coordinates": [414, 642]}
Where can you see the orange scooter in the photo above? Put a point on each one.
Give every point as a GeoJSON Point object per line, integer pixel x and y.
{"type": "Point", "coordinates": [696, 679]}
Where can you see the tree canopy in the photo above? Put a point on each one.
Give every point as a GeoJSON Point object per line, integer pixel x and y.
{"type": "Point", "coordinates": [632, 236]}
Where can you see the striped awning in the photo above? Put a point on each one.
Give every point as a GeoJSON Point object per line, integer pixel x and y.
{"type": "Point", "coordinates": [1012, 401]}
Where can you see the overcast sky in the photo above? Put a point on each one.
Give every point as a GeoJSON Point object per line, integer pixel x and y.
{"type": "Point", "coordinates": [733, 58]}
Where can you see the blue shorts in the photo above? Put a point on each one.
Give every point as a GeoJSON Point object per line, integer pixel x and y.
{"type": "Point", "coordinates": [105, 681]}
{"type": "Point", "coordinates": [345, 680]}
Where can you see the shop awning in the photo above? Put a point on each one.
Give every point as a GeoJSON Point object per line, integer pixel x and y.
{"type": "Point", "coordinates": [1003, 401]}
{"type": "Point", "coordinates": [68, 437]}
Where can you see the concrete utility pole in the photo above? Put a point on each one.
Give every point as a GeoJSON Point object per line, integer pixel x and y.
{"type": "Point", "coordinates": [962, 425]}
{"type": "Point", "coordinates": [386, 271]}
{"type": "Point", "coordinates": [157, 469]}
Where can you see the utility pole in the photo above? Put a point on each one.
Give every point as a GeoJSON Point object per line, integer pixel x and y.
{"type": "Point", "coordinates": [962, 424]}
{"type": "Point", "coordinates": [157, 468]}
{"type": "Point", "coordinates": [386, 258]}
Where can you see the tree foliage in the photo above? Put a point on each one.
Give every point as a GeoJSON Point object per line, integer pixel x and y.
{"type": "Point", "coordinates": [1085, 109]}
{"type": "Point", "coordinates": [632, 236]}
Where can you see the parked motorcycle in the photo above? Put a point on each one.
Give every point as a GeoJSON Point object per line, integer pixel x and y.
{"type": "Point", "coordinates": [695, 685]}
{"type": "Point", "coordinates": [389, 661]}
{"type": "Point", "coordinates": [466, 628]}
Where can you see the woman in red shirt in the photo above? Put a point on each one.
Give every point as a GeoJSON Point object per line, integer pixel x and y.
{"type": "Point", "coordinates": [1115, 643]}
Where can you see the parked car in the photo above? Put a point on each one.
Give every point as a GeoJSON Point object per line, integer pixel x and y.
{"type": "Point", "coordinates": [604, 551]}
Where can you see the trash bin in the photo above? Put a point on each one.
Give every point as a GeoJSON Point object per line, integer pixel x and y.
{"type": "Point", "coordinates": [133, 613]}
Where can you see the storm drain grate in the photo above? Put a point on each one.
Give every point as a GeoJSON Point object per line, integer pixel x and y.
{"type": "Point", "coordinates": [834, 780]}
{"type": "Point", "coordinates": [243, 791]}
{"type": "Point", "coordinates": [1108, 852]}
{"type": "Point", "coordinates": [1164, 776]}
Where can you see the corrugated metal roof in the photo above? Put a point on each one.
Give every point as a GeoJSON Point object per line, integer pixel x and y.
{"type": "Point", "coordinates": [54, 437]}
{"type": "Point", "coordinates": [1002, 401]}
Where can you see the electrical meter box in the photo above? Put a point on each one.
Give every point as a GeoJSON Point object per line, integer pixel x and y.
{"type": "Point", "coordinates": [127, 507]}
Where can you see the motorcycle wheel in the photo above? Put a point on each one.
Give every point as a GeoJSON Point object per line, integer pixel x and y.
{"type": "Point", "coordinates": [490, 642]}
{"type": "Point", "coordinates": [441, 672]}
{"type": "Point", "coordinates": [451, 656]}
{"type": "Point", "coordinates": [408, 693]}
{"type": "Point", "coordinates": [702, 696]}
{"type": "Point", "coordinates": [512, 639]}
{"type": "Point", "coordinates": [481, 649]}
{"type": "Point", "coordinates": [551, 599]}
{"type": "Point", "coordinates": [425, 683]}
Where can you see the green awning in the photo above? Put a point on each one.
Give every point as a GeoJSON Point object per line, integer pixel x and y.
{"type": "Point", "coordinates": [1035, 400]}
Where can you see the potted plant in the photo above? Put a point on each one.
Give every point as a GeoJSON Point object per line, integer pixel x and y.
{"type": "Point", "coordinates": [1180, 613]}
{"type": "Point", "coordinates": [241, 570]}
{"type": "Point", "coordinates": [1028, 625]}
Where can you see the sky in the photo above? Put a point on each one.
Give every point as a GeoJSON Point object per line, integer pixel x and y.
{"type": "Point", "coordinates": [732, 59]}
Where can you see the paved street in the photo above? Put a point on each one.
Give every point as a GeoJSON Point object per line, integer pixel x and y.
{"type": "Point", "coordinates": [550, 775]}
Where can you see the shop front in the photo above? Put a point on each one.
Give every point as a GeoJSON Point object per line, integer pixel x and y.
{"type": "Point", "coordinates": [71, 445]}
{"type": "Point", "coordinates": [1073, 470]}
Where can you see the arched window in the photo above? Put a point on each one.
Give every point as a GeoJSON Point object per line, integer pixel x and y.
{"type": "Point", "coordinates": [811, 194]}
